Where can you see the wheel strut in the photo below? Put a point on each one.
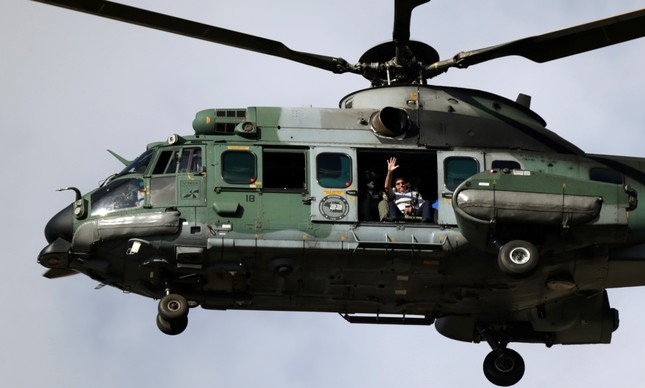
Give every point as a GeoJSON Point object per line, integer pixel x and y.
{"type": "Point", "coordinates": [494, 343]}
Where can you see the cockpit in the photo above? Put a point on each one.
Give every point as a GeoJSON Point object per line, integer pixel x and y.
{"type": "Point", "coordinates": [127, 189]}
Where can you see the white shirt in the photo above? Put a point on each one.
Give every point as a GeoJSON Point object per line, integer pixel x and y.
{"type": "Point", "coordinates": [408, 198]}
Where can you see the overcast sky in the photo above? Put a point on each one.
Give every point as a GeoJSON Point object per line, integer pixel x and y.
{"type": "Point", "coordinates": [73, 85]}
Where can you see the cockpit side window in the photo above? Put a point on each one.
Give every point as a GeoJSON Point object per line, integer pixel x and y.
{"type": "Point", "coordinates": [191, 160]}
{"type": "Point", "coordinates": [187, 159]}
{"type": "Point", "coordinates": [163, 162]}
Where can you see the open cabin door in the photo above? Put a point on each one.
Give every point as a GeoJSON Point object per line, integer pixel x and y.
{"type": "Point", "coordinates": [334, 184]}
{"type": "Point", "coordinates": [454, 167]}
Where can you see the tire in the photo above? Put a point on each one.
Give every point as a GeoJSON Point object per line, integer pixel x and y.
{"type": "Point", "coordinates": [504, 367]}
{"type": "Point", "coordinates": [517, 257]}
{"type": "Point", "coordinates": [172, 327]}
{"type": "Point", "coordinates": [173, 307]}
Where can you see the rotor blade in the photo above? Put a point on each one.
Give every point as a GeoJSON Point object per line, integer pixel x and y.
{"type": "Point", "coordinates": [56, 273]}
{"type": "Point", "coordinates": [142, 17]}
{"type": "Point", "coordinates": [402, 16]}
{"type": "Point", "coordinates": [557, 44]}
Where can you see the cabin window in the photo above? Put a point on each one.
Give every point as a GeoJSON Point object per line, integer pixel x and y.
{"type": "Point", "coordinates": [119, 194]}
{"type": "Point", "coordinates": [457, 169]}
{"type": "Point", "coordinates": [505, 164]}
{"type": "Point", "coordinates": [283, 170]}
{"type": "Point", "coordinates": [607, 175]}
{"type": "Point", "coordinates": [334, 170]}
{"type": "Point", "coordinates": [239, 167]}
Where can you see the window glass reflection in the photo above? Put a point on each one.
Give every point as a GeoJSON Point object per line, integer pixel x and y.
{"type": "Point", "coordinates": [118, 195]}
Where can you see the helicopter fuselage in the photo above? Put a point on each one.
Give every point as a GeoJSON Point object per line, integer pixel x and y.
{"type": "Point", "coordinates": [265, 209]}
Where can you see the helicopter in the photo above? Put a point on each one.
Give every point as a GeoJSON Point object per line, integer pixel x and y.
{"type": "Point", "coordinates": [262, 207]}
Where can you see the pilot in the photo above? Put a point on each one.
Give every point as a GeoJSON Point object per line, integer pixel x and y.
{"type": "Point", "coordinates": [404, 202]}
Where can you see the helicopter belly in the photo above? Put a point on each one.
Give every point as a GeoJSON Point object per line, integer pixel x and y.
{"type": "Point", "coordinates": [373, 270]}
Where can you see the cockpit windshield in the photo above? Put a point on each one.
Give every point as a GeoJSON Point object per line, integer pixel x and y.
{"type": "Point", "coordinates": [138, 165]}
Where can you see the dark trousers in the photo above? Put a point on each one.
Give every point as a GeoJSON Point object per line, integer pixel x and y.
{"type": "Point", "coordinates": [425, 211]}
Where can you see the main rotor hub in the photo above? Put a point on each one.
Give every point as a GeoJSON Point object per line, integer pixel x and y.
{"type": "Point", "coordinates": [395, 63]}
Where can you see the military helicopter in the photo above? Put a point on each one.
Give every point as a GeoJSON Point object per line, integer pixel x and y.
{"type": "Point", "coordinates": [266, 208]}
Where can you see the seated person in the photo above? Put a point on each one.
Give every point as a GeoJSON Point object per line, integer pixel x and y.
{"type": "Point", "coordinates": [370, 198]}
{"type": "Point", "coordinates": [404, 202]}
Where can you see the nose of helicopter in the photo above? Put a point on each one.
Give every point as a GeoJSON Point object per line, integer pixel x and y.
{"type": "Point", "coordinates": [60, 226]}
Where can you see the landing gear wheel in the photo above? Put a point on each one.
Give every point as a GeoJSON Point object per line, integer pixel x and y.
{"type": "Point", "coordinates": [173, 307]}
{"type": "Point", "coordinates": [517, 257]}
{"type": "Point", "coordinates": [504, 367]}
{"type": "Point", "coordinates": [172, 327]}
{"type": "Point", "coordinates": [173, 314]}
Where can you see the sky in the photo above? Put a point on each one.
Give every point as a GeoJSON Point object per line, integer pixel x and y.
{"type": "Point", "coordinates": [73, 85]}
